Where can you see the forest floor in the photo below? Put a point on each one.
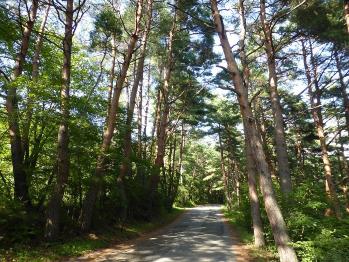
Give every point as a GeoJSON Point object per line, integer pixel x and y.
{"type": "Point", "coordinates": [200, 234]}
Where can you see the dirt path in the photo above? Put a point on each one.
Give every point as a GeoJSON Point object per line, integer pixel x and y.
{"type": "Point", "coordinates": [198, 235]}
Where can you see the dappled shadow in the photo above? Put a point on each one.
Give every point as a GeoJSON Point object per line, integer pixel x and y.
{"type": "Point", "coordinates": [199, 236]}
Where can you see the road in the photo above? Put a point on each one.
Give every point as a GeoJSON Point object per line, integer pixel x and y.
{"type": "Point", "coordinates": [198, 235]}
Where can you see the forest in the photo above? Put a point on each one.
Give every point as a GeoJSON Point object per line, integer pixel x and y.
{"type": "Point", "coordinates": [118, 112]}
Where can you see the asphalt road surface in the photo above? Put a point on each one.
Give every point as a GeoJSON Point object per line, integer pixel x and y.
{"type": "Point", "coordinates": [198, 235]}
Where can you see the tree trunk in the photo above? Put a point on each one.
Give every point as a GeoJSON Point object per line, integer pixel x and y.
{"type": "Point", "coordinates": [163, 123]}
{"type": "Point", "coordinates": [112, 74]}
{"type": "Point", "coordinates": [146, 114]}
{"type": "Point", "coordinates": [315, 103]}
{"type": "Point", "coordinates": [286, 251]}
{"type": "Point", "coordinates": [156, 123]}
{"type": "Point", "coordinates": [95, 184]}
{"type": "Point", "coordinates": [224, 173]}
{"type": "Point", "coordinates": [279, 133]}
{"type": "Point", "coordinates": [54, 205]}
{"type": "Point", "coordinates": [35, 75]}
{"type": "Point", "coordinates": [257, 223]}
{"type": "Point", "coordinates": [17, 155]}
{"type": "Point", "coordinates": [251, 169]}
{"type": "Point", "coordinates": [139, 77]}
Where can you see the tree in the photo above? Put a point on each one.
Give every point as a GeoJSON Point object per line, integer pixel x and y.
{"type": "Point", "coordinates": [286, 252]}
{"type": "Point", "coordinates": [89, 202]}
{"type": "Point", "coordinates": [17, 154]}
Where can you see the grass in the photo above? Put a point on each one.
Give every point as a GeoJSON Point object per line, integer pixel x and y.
{"type": "Point", "coordinates": [243, 230]}
{"type": "Point", "coordinates": [76, 246]}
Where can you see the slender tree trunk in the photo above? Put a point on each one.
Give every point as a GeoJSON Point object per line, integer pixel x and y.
{"type": "Point", "coordinates": [17, 155]}
{"type": "Point", "coordinates": [156, 123]}
{"type": "Point", "coordinates": [251, 169]}
{"type": "Point", "coordinates": [181, 150]}
{"type": "Point", "coordinates": [224, 172]}
{"type": "Point", "coordinates": [140, 120]}
{"type": "Point", "coordinates": [35, 76]}
{"type": "Point", "coordinates": [125, 166]}
{"type": "Point", "coordinates": [262, 126]}
{"type": "Point", "coordinates": [54, 205]}
{"type": "Point", "coordinates": [146, 115]}
{"type": "Point", "coordinates": [161, 139]}
{"type": "Point", "coordinates": [112, 74]}
{"type": "Point", "coordinates": [279, 134]}
{"type": "Point", "coordinates": [257, 223]}
{"type": "Point", "coordinates": [315, 103]}
{"type": "Point", "coordinates": [286, 251]}
{"type": "Point", "coordinates": [95, 185]}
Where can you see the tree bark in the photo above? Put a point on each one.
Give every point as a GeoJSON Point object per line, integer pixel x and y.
{"type": "Point", "coordinates": [251, 169]}
{"type": "Point", "coordinates": [163, 123]}
{"type": "Point", "coordinates": [279, 133]}
{"type": "Point", "coordinates": [286, 251]}
{"type": "Point", "coordinates": [17, 155]}
{"type": "Point", "coordinates": [257, 223]}
{"type": "Point", "coordinates": [315, 103]}
{"type": "Point", "coordinates": [224, 173]}
{"type": "Point", "coordinates": [146, 114]}
{"type": "Point", "coordinates": [112, 74]}
{"type": "Point", "coordinates": [35, 75]}
{"type": "Point", "coordinates": [95, 184]}
{"type": "Point", "coordinates": [139, 76]}
{"type": "Point", "coordinates": [54, 205]}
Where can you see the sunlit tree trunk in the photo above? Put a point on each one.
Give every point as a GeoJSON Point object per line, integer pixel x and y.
{"type": "Point", "coordinates": [251, 169]}
{"type": "Point", "coordinates": [95, 183]}
{"type": "Point", "coordinates": [277, 223]}
{"type": "Point", "coordinates": [21, 189]}
{"type": "Point", "coordinates": [164, 113]}
{"type": "Point", "coordinates": [315, 103]}
{"type": "Point", "coordinates": [125, 166]}
{"type": "Point", "coordinates": [279, 133]}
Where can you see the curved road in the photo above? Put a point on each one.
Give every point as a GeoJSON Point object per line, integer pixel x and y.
{"type": "Point", "coordinates": [198, 235]}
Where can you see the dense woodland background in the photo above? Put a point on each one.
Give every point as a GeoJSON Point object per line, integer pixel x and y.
{"type": "Point", "coordinates": [113, 111]}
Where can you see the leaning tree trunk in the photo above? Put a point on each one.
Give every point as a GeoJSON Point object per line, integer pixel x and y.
{"type": "Point", "coordinates": [125, 166]}
{"type": "Point", "coordinates": [279, 133]}
{"type": "Point", "coordinates": [96, 181]}
{"type": "Point", "coordinates": [17, 155]}
{"type": "Point", "coordinates": [164, 115]}
{"type": "Point", "coordinates": [315, 103]}
{"type": "Point", "coordinates": [54, 205]}
{"type": "Point", "coordinates": [251, 169]}
{"type": "Point", "coordinates": [277, 223]}
{"type": "Point", "coordinates": [253, 195]}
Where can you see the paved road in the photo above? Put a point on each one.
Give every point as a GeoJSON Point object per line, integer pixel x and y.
{"type": "Point", "coordinates": [199, 235]}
